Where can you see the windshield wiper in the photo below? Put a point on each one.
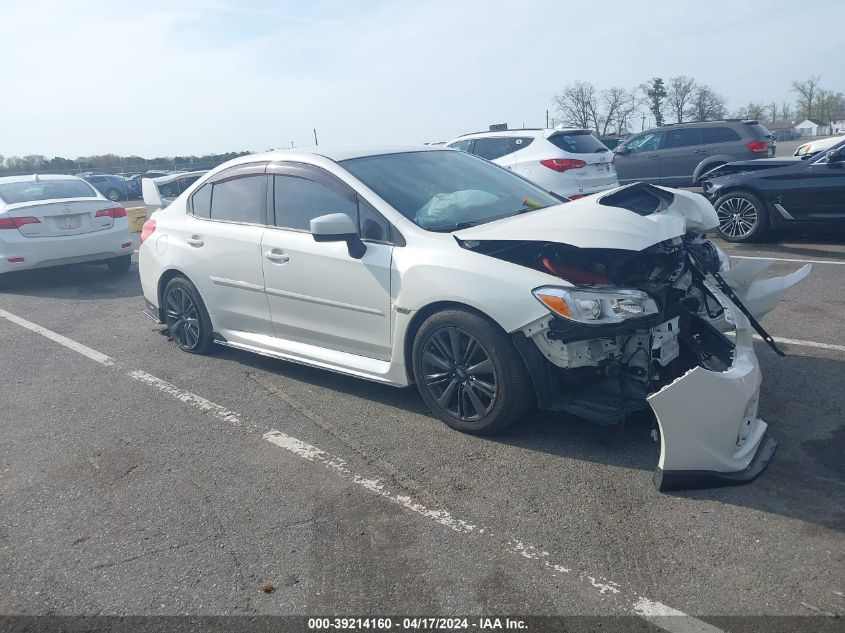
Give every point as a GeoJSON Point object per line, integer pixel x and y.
{"type": "Point", "coordinates": [448, 228]}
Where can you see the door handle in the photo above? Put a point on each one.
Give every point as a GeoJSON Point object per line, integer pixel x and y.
{"type": "Point", "coordinates": [700, 151]}
{"type": "Point", "coordinates": [654, 155]}
{"type": "Point", "coordinates": [276, 257]}
{"type": "Point", "coordinates": [195, 240]}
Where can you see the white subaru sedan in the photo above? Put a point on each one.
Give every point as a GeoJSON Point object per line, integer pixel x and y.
{"type": "Point", "coordinates": [53, 220]}
{"type": "Point", "coordinates": [435, 267]}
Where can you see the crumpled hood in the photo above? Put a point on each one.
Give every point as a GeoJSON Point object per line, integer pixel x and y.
{"type": "Point", "coordinates": [585, 223]}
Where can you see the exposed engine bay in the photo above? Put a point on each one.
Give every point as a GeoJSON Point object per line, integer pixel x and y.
{"type": "Point", "coordinates": [603, 370]}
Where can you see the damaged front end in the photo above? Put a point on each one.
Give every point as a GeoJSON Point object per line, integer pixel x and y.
{"type": "Point", "coordinates": [628, 330]}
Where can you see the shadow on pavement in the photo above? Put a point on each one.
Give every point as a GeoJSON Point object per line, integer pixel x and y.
{"type": "Point", "coordinates": [803, 398]}
{"type": "Point", "coordinates": [78, 281]}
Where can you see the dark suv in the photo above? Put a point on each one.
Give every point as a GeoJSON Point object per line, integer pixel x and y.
{"type": "Point", "coordinates": [679, 155]}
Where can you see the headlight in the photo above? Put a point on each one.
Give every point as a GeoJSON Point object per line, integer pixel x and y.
{"type": "Point", "coordinates": [596, 306]}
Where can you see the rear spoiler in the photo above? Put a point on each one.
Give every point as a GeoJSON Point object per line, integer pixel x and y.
{"type": "Point", "coordinates": [160, 192]}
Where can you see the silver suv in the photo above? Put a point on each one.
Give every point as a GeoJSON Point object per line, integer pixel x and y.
{"type": "Point", "coordinates": [679, 155]}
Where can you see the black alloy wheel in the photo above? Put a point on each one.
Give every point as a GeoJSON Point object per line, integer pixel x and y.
{"type": "Point", "coordinates": [186, 317]}
{"type": "Point", "coordinates": [459, 374]}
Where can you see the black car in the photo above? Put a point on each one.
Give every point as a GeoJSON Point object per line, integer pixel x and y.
{"type": "Point", "coordinates": [752, 197]}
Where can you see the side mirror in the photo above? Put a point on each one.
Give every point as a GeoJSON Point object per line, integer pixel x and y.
{"type": "Point", "coordinates": [836, 155]}
{"type": "Point", "coordinates": [338, 227]}
{"type": "Point", "coordinates": [621, 149]}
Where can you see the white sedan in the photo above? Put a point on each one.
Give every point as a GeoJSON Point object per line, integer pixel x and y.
{"type": "Point", "coordinates": [54, 220]}
{"type": "Point", "coordinates": [434, 267]}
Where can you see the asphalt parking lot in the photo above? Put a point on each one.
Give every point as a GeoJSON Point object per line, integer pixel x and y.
{"type": "Point", "coordinates": [137, 479]}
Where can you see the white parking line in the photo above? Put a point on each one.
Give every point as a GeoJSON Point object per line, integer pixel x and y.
{"type": "Point", "coordinates": [655, 612]}
{"type": "Point", "coordinates": [781, 259]}
{"type": "Point", "coordinates": [58, 338]}
{"type": "Point", "coordinates": [792, 341]}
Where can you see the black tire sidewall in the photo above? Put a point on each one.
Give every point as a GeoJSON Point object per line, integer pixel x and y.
{"type": "Point", "coordinates": [762, 217]}
{"type": "Point", "coordinates": [514, 394]}
{"type": "Point", "coordinates": [206, 337]}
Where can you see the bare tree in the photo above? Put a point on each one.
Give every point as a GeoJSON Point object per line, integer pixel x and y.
{"type": "Point", "coordinates": [773, 111]}
{"type": "Point", "coordinates": [679, 95]}
{"type": "Point", "coordinates": [830, 105]}
{"type": "Point", "coordinates": [786, 110]}
{"type": "Point", "coordinates": [706, 105]}
{"type": "Point", "coordinates": [578, 105]}
{"type": "Point", "coordinates": [617, 104]}
{"type": "Point", "coordinates": [807, 92]}
{"type": "Point", "coordinates": [752, 111]}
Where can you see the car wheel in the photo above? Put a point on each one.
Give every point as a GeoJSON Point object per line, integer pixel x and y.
{"type": "Point", "coordinates": [113, 195]}
{"type": "Point", "coordinates": [186, 318]}
{"type": "Point", "coordinates": [120, 264]}
{"type": "Point", "coordinates": [469, 373]}
{"type": "Point", "coordinates": [742, 217]}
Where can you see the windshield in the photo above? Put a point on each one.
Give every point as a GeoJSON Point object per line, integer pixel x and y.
{"type": "Point", "coordinates": [31, 191]}
{"type": "Point", "coordinates": [447, 190]}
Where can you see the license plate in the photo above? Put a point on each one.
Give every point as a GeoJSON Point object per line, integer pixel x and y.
{"type": "Point", "coordinates": [67, 222]}
{"type": "Point", "coordinates": [603, 168]}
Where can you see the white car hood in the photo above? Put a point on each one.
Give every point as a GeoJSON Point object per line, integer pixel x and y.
{"type": "Point", "coordinates": [585, 223]}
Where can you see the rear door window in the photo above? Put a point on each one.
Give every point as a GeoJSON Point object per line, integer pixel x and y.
{"type": "Point", "coordinates": [238, 199]}
{"type": "Point", "coordinates": [577, 142]}
{"type": "Point", "coordinates": [492, 147]}
{"type": "Point", "coordinates": [719, 135]}
{"type": "Point", "coordinates": [201, 202]}
{"type": "Point", "coordinates": [682, 137]}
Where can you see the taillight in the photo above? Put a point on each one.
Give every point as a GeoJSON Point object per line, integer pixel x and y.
{"type": "Point", "coordinates": [16, 223]}
{"type": "Point", "coordinates": [758, 147]}
{"type": "Point", "coordinates": [563, 164]}
{"type": "Point", "coordinates": [116, 212]}
{"type": "Point", "coordinates": [148, 229]}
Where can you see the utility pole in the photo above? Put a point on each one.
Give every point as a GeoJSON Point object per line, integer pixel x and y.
{"type": "Point", "coordinates": [643, 126]}
{"type": "Point", "coordinates": [547, 119]}
{"type": "Point", "coordinates": [315, 138]}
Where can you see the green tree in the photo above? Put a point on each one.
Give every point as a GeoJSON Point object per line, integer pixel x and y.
{"type": "Point", "coordinates": [655, 92]}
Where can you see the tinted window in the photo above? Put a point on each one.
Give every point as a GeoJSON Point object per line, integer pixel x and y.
{"type": "Point", "coordinates": [444, 190]}
{"type": "Point", "coordinates": [371, 225]}
{"type": "Point", "coordinates": [682, 137]}
{"type": "Point", "coordinates": [491, 148]}
{"type": "Point", "coordinates": [518, 143]}
{"type": "Point", "coordinates": [13, 192]}
{"type": "Point", "coordinates": [758, 130]}
{"type": "Point", "coordinates": [298, 201]}
{"type": "Point", "coordinates": [238, 199]}
{"type": "Point", "coordinates": [461, 145]}
{"type": "Point", "coordinates": [577, 143]}
{"type": "Point", "coordinates": [719, 135]}
{"type": "Point", "coordinates": [95, 179]}
{"type": "Point", "coordinates": [201, 202]}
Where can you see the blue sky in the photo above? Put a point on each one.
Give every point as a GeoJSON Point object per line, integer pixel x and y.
{"type": "Point", "coordinates": [196, 76]}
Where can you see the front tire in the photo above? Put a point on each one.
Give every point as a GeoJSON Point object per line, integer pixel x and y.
{"type": "Point", "coordinates": [186, 318]}
{"type": "Point", "coordinates": [469, 373]}
{"type": "Point", "coordinates": [742, 217]}
{"type": "Point", "coordinates": [120, 264]}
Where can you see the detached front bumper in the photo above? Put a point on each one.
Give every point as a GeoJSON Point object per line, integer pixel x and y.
{"type": "Point", "coordinates": [710, 434]}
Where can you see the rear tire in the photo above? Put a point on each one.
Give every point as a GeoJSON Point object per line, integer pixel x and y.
{"type": "Point", "coordinates": [120, 264]}
{"type": "Point", "coordinates": [742, 217]}
{"type": "Point", "coordinates": [469, 373]}
{"type": "Point", "coordinates": [186, 318]}
{"type": "Point", "coordinates": [113, 195]}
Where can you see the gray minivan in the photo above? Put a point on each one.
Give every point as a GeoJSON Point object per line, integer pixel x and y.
{"type": "Point", "coordinates": [679, 155]}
